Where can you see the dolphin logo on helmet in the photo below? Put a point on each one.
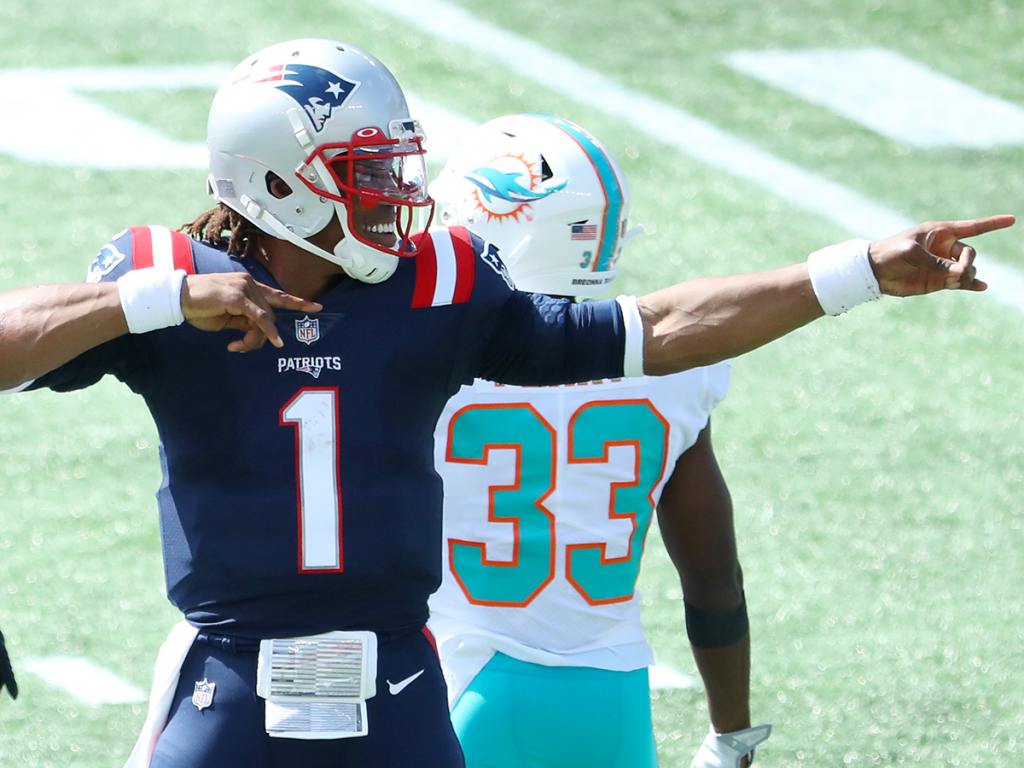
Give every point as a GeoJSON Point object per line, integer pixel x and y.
{"type": "Point", "coordinates": [501, 183]}
{"type": "Point", "coordinates": [495, 183]}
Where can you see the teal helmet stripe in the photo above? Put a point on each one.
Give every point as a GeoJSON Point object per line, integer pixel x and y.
{"type": "Point", "coordinates": [609, 183]}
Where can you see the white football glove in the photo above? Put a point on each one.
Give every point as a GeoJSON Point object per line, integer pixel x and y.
{"type": "Point", "coordinates": [726, 750]}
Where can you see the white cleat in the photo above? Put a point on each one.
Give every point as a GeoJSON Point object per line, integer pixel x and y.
{"type": "Point", "coordinates": [727, 750]}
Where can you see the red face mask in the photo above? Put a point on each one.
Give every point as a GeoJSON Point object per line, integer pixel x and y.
{"type": "Point", "coordinates": [380, 181]}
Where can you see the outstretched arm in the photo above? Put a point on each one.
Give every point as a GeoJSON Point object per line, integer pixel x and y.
{"type": "Point", "coordinates": [703, 321]}
{"type": "Point", "coordinates": [42, 328]}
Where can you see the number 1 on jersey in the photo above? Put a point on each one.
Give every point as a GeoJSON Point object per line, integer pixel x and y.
{"type": "Point", "coordinates": [313, 413]}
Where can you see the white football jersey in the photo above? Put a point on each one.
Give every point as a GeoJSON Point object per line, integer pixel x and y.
{"type": "Point", "coordinates": [548, 496]}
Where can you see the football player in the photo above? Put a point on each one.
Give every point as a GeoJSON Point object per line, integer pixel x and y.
{"type": "Point", "coordinates": [300, 511]}
{"type": "Point", "coordinates": [549, 492]}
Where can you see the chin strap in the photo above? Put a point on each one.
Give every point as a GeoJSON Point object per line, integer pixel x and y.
{"type": "Point", "coordinates": [365, 264]}
{"type": "Point", "coordinates": [373, 269]}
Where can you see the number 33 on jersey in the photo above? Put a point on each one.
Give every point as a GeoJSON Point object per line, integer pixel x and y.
{"type": "Point", "coordinates": [549, 493]}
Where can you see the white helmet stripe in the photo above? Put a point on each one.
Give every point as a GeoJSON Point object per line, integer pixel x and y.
{"type": "Point", "coordinates": [610, 187]}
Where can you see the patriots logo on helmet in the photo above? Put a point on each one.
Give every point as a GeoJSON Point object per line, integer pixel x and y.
{"type": "Point", "coordinates": [318, 91]}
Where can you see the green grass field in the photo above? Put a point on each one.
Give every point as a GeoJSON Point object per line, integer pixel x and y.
{"type": "Point", "coordinates": [876, 460]}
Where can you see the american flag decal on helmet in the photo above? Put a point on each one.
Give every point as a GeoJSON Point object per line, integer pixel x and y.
{"type": "Point", "coordinates": [445, 268]}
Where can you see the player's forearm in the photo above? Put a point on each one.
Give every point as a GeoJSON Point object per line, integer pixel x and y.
{"type": "Point", "coordinates": [703, 321]}
{"type": "Point", "coordinates": [726, 675]}
{"type": "Point", "coordinates": [42, 328]}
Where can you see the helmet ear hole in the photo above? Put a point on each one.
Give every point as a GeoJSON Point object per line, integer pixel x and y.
{"type": "Point", "coordinates": [277, 186]}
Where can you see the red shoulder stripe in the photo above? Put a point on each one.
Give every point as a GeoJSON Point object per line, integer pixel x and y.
{"type": "Point", "coordinates": [142, 247]}
{"type": "Point", "coordinates": [426, 273]}
{"type": "Point", "coordinates": [181, 246]}
{"type": "Point", "coordinates": [465, 264]}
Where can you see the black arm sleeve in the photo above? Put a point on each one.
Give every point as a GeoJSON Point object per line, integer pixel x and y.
{"type": "Point", "coordinates": [538, 340]}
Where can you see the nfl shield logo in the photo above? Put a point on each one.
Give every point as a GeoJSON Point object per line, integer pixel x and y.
{"type": "Point", "coordinates": [307, 330]}
{"type": "Point", "coordinates": [202, 696]}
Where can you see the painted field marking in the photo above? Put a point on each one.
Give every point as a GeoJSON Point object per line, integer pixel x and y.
{"type": "Point", "coordinates": [84, 680]}
{"type": "Point", "coordinates": [663, 677]}
{"type": "Point", "coordinates": [98, 137]}
{"type": "Point", "coordinates": [890, 94]}
{"type": "Point", "coordinates": [667, 124]}
{"type": "Point", "coordinates": [445, 130]}
{"type": "Point", "coordinates": [102, 138]}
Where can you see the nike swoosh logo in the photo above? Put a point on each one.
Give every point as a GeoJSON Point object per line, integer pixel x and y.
{"type": "Point", "coordinates": [396, 688]}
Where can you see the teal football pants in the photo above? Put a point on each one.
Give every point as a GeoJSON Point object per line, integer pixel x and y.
{"type": "Point", "coordinates": [520, 715]}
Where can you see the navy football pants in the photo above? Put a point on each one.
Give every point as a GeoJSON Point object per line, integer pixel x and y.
{"type": "Point", "coordinates": [411, 728]}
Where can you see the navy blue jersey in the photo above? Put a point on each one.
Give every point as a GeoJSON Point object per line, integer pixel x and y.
{"type": "Point", "coordinates": [299, 493]}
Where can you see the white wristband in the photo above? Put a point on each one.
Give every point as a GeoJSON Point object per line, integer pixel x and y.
{"type": "Point", "coordinates": [633, 362]}
{"type": "Point", "coordinates": [842, 277]}
{"type": "Point", "coordinates": [151, 298]}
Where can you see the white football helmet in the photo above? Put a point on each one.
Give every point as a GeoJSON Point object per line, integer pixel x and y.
{"type": "Point", "coordinates": [548, 194]}
{"type": "Point", "coordinates": [332, 122]}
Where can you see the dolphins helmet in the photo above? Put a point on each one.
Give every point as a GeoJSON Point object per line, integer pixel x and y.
{"type": "Point", "coordinates": [548, 194]}
{"type": "Point", "coordinates": [332, 122]}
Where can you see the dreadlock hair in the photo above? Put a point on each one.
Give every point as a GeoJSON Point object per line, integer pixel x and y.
{"type": "Point", "coordinates": [222, 225]}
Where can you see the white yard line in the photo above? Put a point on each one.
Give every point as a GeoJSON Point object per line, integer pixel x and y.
{"type": "Point", "coordinates": [889, 94]}
{"type": "Point", "coordinates": [663, 677]}
{"type": "Point", "coordinates": [444, 129]}
{"type": "Point", "coordinates": [103, 138]}
{"type": "Point", "coordinates": [668, 124]}
{"type": "Point", "coordinates": [84, 680]}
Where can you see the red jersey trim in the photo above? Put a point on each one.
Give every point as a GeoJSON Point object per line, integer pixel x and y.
{"type": "Point", "coordinates": [181, 245]}
{"type": "Point", "coordinates": [426, 273]}
{"type": "Point", "coordinates": [445, 268]}
{"type": "Point", "coordinates": [142, 247]}
{"type": "Point", "coordinates": [465, 259]}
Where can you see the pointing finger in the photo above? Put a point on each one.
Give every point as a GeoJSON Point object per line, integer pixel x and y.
{"type": "Point", "coordinates": [972, 227]}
